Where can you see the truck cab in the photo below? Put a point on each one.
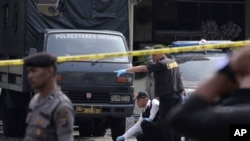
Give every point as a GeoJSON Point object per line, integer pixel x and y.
{"type": "Point", "coordinates": [100, 98]}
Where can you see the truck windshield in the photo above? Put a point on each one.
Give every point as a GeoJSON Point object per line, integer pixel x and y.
{"type": "Point", "coordinates": [64, 44]}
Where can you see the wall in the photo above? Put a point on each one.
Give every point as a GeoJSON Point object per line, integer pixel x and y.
{"type": "Point", "coordinates": [247, 19]}
{"type": "Point", "coordinates": [142, 21]}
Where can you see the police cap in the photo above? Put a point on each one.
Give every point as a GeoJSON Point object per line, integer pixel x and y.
{"type": "Point", "coordinates": [157, 47]}
{"type": "Point", "coordinates": [142, 94]}
{"type": "Point", "coordinates": [41, 59]}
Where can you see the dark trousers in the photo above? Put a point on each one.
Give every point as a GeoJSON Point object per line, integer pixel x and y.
{"type": "Point", "coordinates": [140, 137]}
{"type": "Point", "coordinates": [167, 131]}
{"type": "Point", "coordinates": [151, 131]}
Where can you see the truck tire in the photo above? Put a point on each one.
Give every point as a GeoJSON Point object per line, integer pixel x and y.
{"type": "Point", "coordinates": [118, 126]}
{"type": "Point", "coordinates": [9, 117]}
{"type": "Point", "coordinates": [8, 128]}
{"type": "Point", "coordinates": [10, 121]}
{"type": "Point", "coordinates": [85, 129]}
{"type": "Point", "coordinates": [14, 117]}
{"type": "Point", "coordinates": [99, 132]}
{"type": "Point", "coordinates": [1, 106]}
{"type": "Point", "coordinates": [99, 128]}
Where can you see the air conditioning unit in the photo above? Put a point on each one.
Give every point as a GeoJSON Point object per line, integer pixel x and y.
{"type": "Point", "coordinates": [135, 2]}
{"type": "Point", "coordinates": [49, 7]}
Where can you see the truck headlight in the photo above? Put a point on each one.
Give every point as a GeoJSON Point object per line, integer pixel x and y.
{"type": "Point", "coordinates": [115, 98]}
{"type": "Point", "coordinates": [122, 98]}
{"type": "Point", "coordinates": [125, 98]}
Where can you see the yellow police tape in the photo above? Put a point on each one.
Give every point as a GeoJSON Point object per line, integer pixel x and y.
{"type": "Point", "coordinates": [137, 52]}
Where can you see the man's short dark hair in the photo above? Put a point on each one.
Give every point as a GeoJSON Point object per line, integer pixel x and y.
{"type": "Point", "coordinates": [41, 59]}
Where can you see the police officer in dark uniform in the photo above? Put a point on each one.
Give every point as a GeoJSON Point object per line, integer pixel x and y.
{"type": "Point", "coordinates": [168, 86]}
{"type": "Point", "coordinates": [51, 115]}
{"type": "Point", "coordinates": [219, 104]}
{"type": "Point", "coordinates": [147, 127]}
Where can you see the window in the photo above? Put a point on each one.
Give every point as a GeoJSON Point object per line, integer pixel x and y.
{"type": "Point", "coordinates": [87, 43]}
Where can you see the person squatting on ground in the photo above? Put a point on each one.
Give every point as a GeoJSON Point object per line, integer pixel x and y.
{"type": "Point", "coordinates": [220, 102]}
{"type": "Point", "coordinates": [168, 87]}
{"type": "Point", "coordinates": [50, 116]}
{"type": "Point", "coordinates": [148, 124]}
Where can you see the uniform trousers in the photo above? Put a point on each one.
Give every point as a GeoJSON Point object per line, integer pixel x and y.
{"type": "Point", "coordinates": [151, 131]}
{"type": "Point", "coordinates": [168, 133]}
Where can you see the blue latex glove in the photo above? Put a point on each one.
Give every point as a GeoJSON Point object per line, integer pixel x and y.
{"type": "Point", "coordinates": [120, 138]}
{"type": "Point", "coordinates": [119, 72]}
{"type": "Point", "coordinates": [146, 119]}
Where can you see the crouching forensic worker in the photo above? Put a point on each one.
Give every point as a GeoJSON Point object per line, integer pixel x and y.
{"type": "Point", "coordinates": [50, 116]}
{"type": "Point", "coordinates": [204, 118]}
{"type": "Point", "coordinates": [148, 124]}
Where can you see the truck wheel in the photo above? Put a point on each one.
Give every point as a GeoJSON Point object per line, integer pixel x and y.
{"type": "Point", "coordinates": [9, 117]}
{"type": "Point", "coordinates": [118, 126]}
{"type": "Point", "coordinates": [10, 122]}
{"type": "Point", "coordinates": [99, 128]}
{"type": "Point", "coordinates": [1, 106]}
{"type": "Point", "coordinates": [99, 132]}
{"type": "Point", "coordinates": [14, 116]}
{"type": "Point", "coordinates": [85, 129]}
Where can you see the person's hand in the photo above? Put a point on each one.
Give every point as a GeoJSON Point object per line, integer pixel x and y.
{"type": "Point", "coordinates": [120, 138]}
{"type": "Point", "coordinates": [244, 81]}
{"type": "Point", "coordinates": [120, 72]}
{"type": "Point", "coordinates": [147, 119]}
{"type": "Point", "coordinates": [240, 61]}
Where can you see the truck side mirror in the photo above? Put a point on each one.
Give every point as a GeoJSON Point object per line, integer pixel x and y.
{"type": "Point", "coordinates": [49, 7]}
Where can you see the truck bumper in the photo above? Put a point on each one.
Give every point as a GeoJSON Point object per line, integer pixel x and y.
{"type": "Point", "coordinates": [87, 111]}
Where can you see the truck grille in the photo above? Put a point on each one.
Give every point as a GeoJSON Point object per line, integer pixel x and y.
{"type": "Point", "coordinates": [95, 98]}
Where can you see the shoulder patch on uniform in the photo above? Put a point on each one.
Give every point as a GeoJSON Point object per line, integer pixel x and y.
{"type": "Point", "coordinates": [172, 65]}
{"type": "Point", "coordinates": [40, 122]}
{"type": "Point", "coordinates": [62, 117]}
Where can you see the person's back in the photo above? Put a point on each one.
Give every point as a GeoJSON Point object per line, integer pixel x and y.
{"type": "Point", "coordinates": [168, 79]}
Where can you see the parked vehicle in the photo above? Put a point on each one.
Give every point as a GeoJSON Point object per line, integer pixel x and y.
{"type": "Point", "coordinates": [101, 100]}
{"type": "Point", "coordinates": [197, 66]}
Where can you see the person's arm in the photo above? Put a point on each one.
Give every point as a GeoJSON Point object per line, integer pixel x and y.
{"type": "Point", "coordinates": [64, 119]}
{"type": "Point", "coordinates": [134, 129]}
{"type": "Point", "coordinates": [154, 109]}
{"type": "Point", "coordinates": [141, 68]}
